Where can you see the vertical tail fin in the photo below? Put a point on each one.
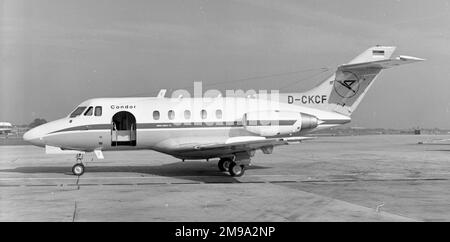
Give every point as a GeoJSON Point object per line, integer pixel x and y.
{"type": "Point", "coordinates": [346, 88]}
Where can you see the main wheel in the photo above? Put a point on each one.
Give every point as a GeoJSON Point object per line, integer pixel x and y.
{"type": "Point", "coordinates": [224, 164]}
{"type": "Point", "coordinates": [236, 170]}
{"type": "Point", "coordinates": [78, 169]}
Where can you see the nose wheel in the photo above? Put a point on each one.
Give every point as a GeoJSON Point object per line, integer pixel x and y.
{"type": "Point", "coordinates": [78, 168]}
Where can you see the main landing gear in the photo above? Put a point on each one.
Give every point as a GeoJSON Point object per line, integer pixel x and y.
{"type": "Point", "coordinates": [235, 168]}
{"type": "Point", "coordinates": [78, 168]}
{"type": "Point", "coordinates": [224, 164]}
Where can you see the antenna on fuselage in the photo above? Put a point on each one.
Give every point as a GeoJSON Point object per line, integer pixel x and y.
{"type": "Point", "coordinates": [161, 93]}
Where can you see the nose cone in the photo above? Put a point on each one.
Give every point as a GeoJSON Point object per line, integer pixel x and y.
{"type": "Point", "coordinates": [35, 136]}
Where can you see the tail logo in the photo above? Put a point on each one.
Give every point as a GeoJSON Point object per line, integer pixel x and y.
{"type": "Point", "coordinates": [347, 84]}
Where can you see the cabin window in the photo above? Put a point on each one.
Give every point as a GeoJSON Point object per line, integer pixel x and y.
{"type": "Point", "coordinates": [98, 111]}
{"type": "Point", "coordinates": [89, 111]}
{"type": "Point", "coordinates": [204, 114]}
{"type": "Point", "coordinates": [187, 114]}
{"type": "Point", "coordinates": [219, 114]}
{"type": "Point", "coordinates": [171, 114]}
{"type": "Point", "coordinates": [156, 115]}
{"type": "Point", "coordinates": [77, 112]}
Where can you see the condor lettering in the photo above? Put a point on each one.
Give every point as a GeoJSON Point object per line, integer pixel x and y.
{"type": "Point", "coordinates": [123, 106]}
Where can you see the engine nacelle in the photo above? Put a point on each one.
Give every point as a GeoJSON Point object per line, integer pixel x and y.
{"type": "Point", "coordinates": [272, 123]}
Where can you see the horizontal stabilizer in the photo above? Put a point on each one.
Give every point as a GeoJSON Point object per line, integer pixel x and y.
{"type": "Point", "coordinates": [381, 64]}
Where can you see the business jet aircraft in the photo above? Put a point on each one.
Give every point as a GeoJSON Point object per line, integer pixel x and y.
{"type": "Point", "coordinates": [228, 128]}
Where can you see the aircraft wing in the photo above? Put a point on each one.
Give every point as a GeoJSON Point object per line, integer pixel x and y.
{"type": "Point", "coordinates": [234, 144]}
{"type": "Point", "coordinates": [239, 143]}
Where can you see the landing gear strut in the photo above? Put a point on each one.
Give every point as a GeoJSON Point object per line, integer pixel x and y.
{"type": "Point", "coordinates": [224, 164]}
{"type": "Point", "coordinates": [78, 168]}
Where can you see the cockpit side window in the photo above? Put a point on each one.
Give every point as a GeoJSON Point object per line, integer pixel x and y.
{"type": "Point", "coordinates": [77, 112]}
{"type": "Point", "coordinates": [98, 111]}
{"type": "Point", "coordinates": [89, 111]}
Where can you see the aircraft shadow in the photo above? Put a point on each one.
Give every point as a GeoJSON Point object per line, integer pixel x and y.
{"type": "Point", "coordinates": [206, 172]}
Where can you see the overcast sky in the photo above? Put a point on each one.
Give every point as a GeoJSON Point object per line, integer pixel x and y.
{"type": "Point", "coordinates": [57, 53]}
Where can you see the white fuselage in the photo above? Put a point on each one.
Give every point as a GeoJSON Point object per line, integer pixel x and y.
{"type": "Point", "coordinates": [211, 120]}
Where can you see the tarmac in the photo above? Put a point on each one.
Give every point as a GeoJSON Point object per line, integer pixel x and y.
{"type": "Point", "coordinates": [345, 178]}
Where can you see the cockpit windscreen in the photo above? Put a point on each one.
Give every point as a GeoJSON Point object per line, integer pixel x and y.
{"type": "Point", "coordinates": [77, 112]}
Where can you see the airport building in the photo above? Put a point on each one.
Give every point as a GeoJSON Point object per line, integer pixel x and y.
{"type": "Point", "coordinates": [5, 127]}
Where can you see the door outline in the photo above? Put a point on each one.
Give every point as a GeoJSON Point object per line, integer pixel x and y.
{"type": "Point", "coordinates": [123, 129]}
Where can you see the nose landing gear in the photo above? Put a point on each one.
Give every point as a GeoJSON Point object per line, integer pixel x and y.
{"type": "Point", "coordinates": [78, 168]}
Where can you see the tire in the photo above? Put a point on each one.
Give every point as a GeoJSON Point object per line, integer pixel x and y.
{"type": "Point", "coordinates": [78, 169]}
{"type": "Point", "coordinates": [224, 164]}
{"type": "Point", "coordinates": [236, 170]}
